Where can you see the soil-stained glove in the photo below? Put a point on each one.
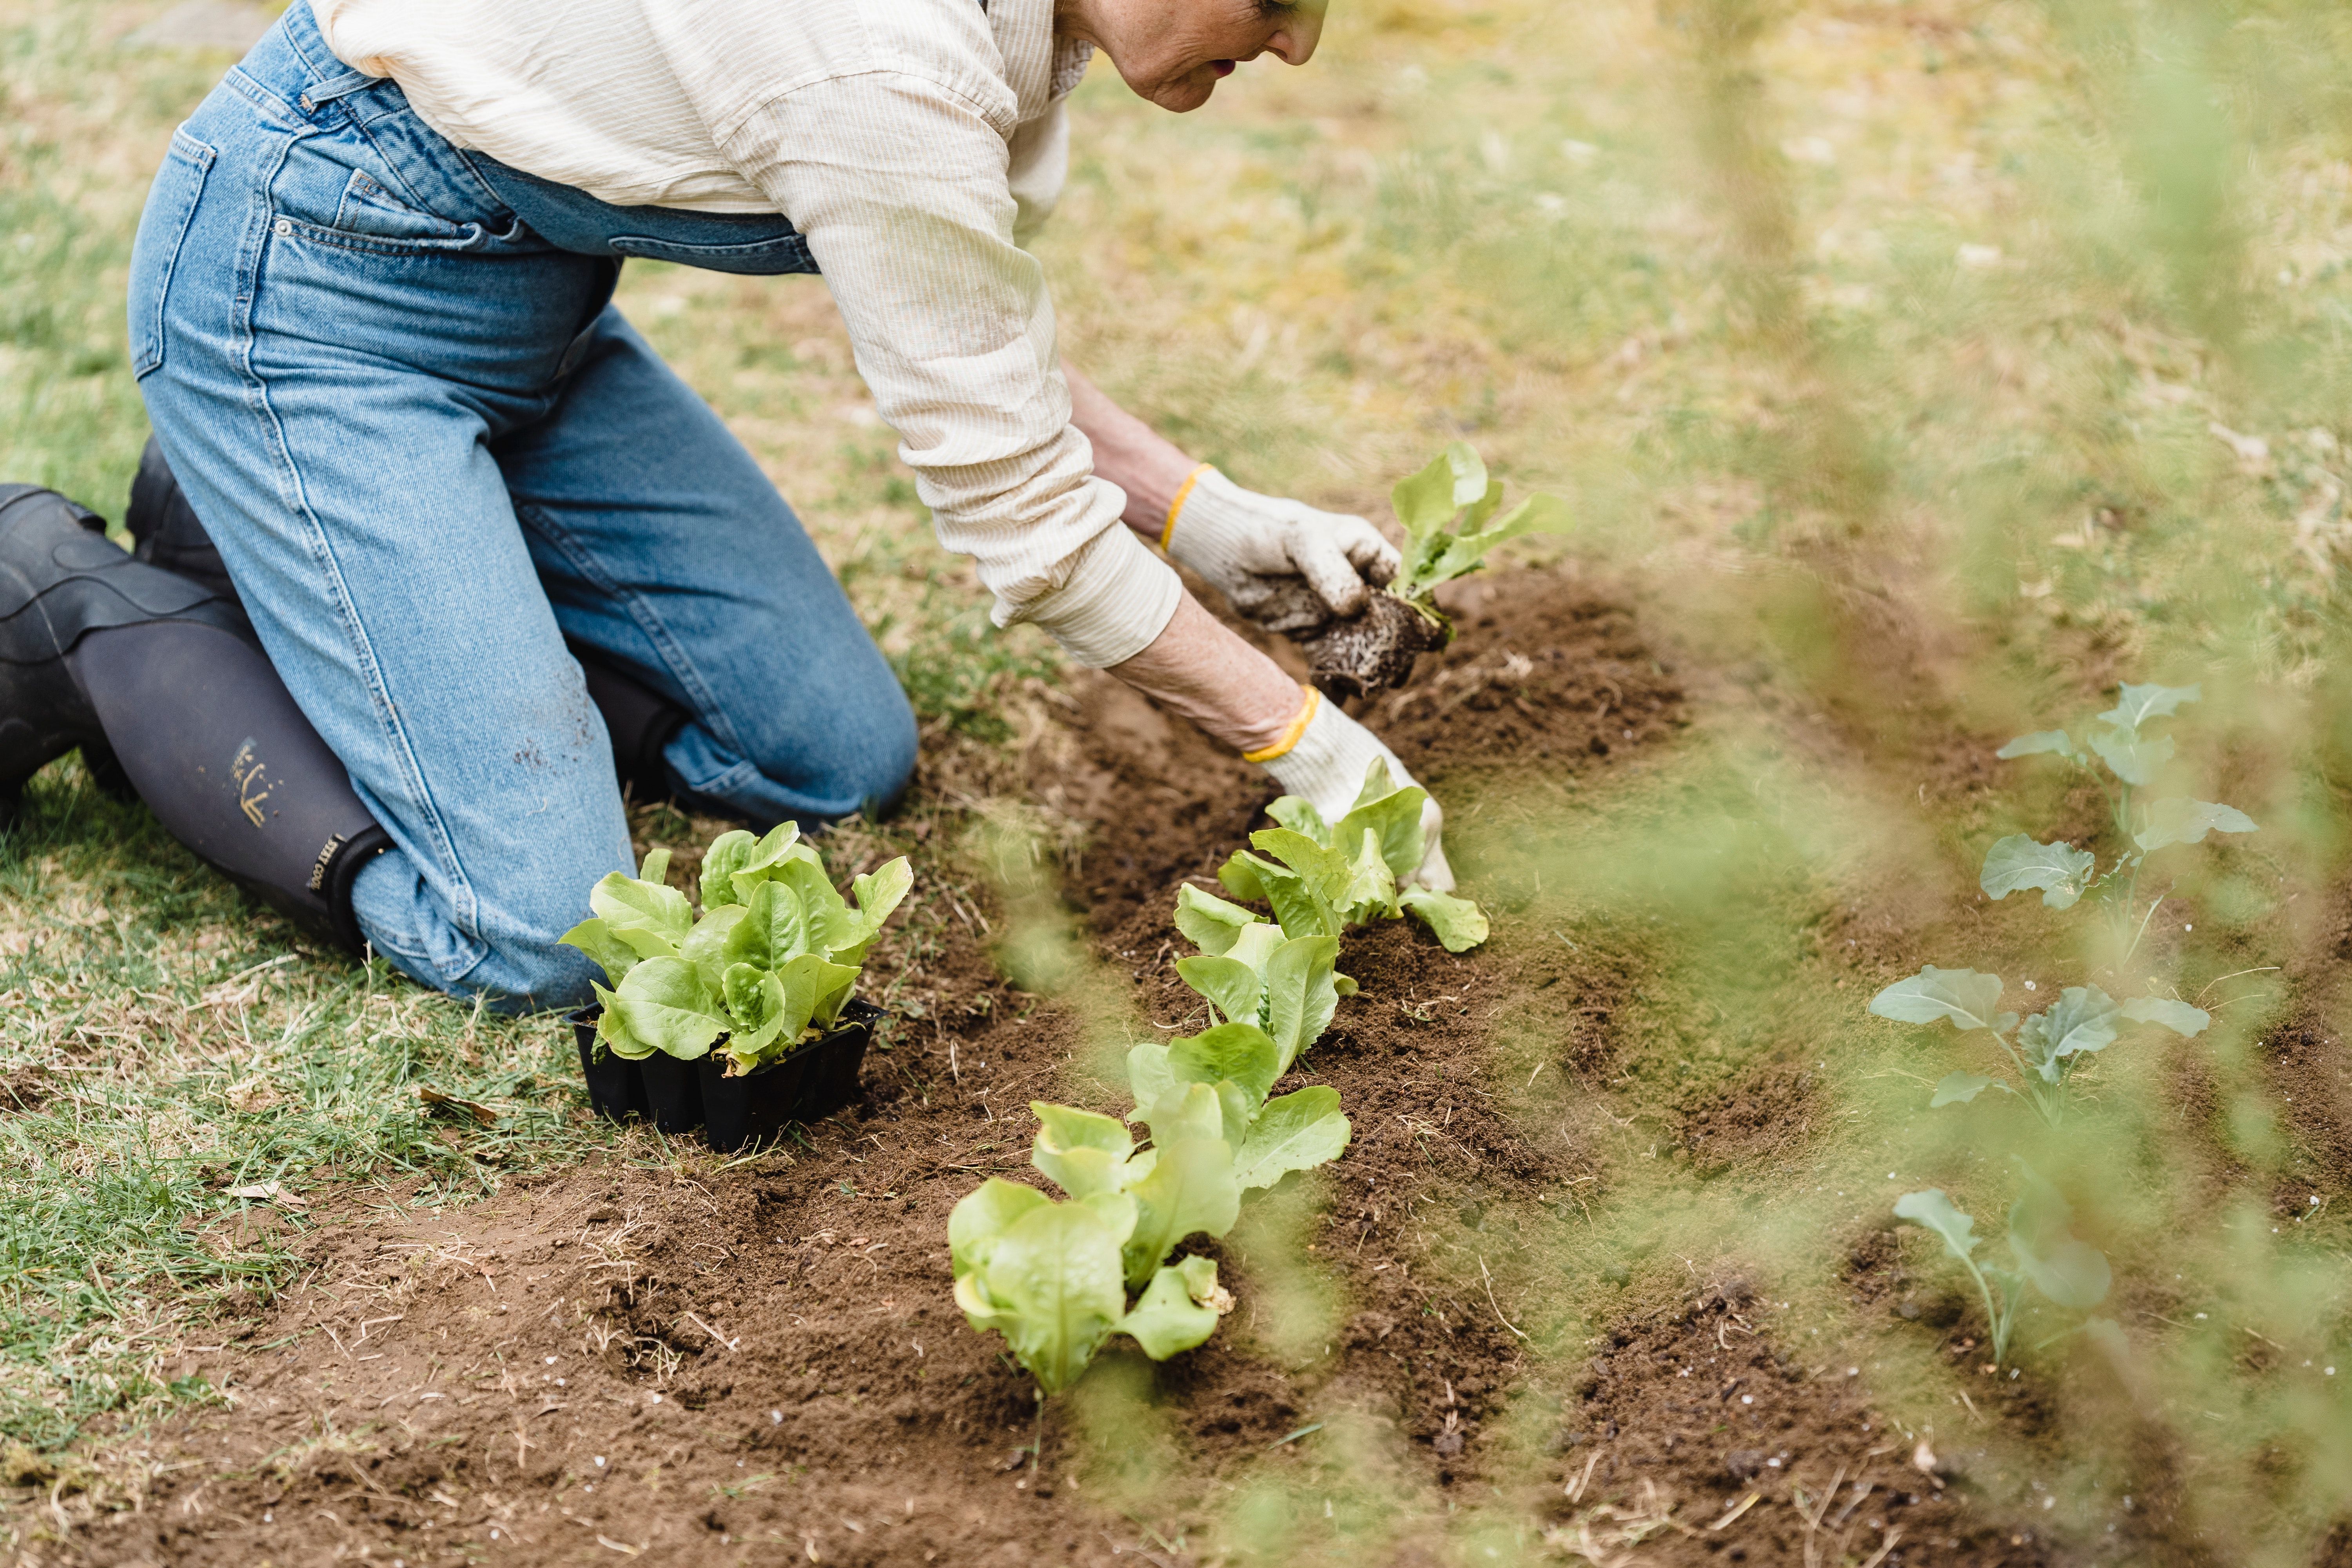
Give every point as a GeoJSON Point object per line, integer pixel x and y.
{"type": "Point", "coordinates": [1323, 761]}
{"type": "Point", "coordinates": [1281, 563]}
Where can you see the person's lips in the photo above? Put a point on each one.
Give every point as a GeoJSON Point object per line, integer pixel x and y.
{"type": "Point", "coordinates": [1223, 68]}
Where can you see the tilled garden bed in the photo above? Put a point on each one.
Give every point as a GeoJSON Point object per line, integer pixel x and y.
{"type": "Point", "coordinates": [665, 1355]}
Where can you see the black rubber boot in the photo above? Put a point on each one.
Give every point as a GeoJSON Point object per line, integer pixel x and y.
{"type": "Point", "coordinates": [640, 721]}
{"type": "Point", "coordinates": [61, 579]}
{"type": "Point", "coordinates": [159, 676]}
{"type": "Point", "coordinates": [164, 528]}
{"type": "Point", "coordinates": [208, 735]}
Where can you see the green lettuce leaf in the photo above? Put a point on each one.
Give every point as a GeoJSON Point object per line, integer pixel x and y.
{"type": "Point", "coordinates": [1168, 1318]}
{"type": "Point", "coordinates": [1301, 996]}
{"type": "Point", "coordinates": [1295, 1132]}
{"type": "Point", "coordinates": [608, 951]}
{"type": "Point", "coordinates": [1241, 1052]}
{"type": "Point", "coordinates": [1149, 1076]}
{"type": "Point", "coordinates": [878, 894]}
{"type": "Point", "coordinates": [984, 1214]}
{"type": "Point", "coordinates": [629, 904]}
{"type": "Point", "coordinates": [664, 1005]}
{"type": "Point", "coordinates": [1301, 817]}
{"type": "Point", "coordinates": [1209, 922]}
{"type": "Point", "coordinates": [1392, 817]}
{"type": "Point", "coordinates": [1050, 1284]}
{"type": "Point", "coordinates": [1189, 1190]}
{"type": "Point", "coordinates": [1458, 924]}
{"type": "Point", "coordinates": [1230, 984]}
{"type": "Point", "coordinates": [1188, 1109]}
{"type": "Point", "coordinates": [1081, 1152]}
{"type": "Point", "coordinates": [756, 1013]}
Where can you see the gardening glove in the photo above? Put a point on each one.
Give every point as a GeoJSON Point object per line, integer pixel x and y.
{"type": "Point", "coordinates": [1323, 760]}
{"type": "Point", "coordinates": [1280, 563]}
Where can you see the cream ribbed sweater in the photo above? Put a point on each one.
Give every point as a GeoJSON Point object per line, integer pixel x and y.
{"type": "Point", "coordinates": [914, 143]}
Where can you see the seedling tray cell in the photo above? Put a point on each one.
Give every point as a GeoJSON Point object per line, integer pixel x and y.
{"type": "Point", "coordinates": [680, 1096]}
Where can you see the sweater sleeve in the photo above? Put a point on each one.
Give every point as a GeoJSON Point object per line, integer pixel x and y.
{"type": "Point", "coordinates": [901, 182]}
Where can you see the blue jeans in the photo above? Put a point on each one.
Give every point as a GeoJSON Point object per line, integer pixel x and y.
{"type": "Point", "coordinates": [430, 450]}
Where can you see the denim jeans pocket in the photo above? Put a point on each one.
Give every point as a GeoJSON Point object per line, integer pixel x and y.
{"type": "Point", "coordinates": [370, 211]}
{"type": "Point", "coordinates": [155, 253]}
{"type": "Point", "coordinates": [369, 215]}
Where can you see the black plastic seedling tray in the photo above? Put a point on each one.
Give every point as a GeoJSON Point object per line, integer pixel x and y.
{"type": "Point", "coordinates": [679, 1096]}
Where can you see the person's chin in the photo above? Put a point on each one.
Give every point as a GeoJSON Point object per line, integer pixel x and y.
{"type": "Point", "coordinates": [1187, 92]}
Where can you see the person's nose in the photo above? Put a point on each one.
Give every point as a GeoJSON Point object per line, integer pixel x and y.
{"type": "Point", "coordinates": [1294, 42]}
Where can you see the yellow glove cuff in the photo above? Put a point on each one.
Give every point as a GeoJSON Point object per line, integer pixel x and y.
{"type": "Point", "coordinates": [1183, 494]}
{"type": "Point", "coordinates": [1290, 736]}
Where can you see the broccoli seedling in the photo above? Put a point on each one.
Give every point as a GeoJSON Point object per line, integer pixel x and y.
{"type": "Point", "coordinates": [2063, 874]}
{"type": "Point", "coordinates": [2046, 1049]}
{"type": "Point", "coordinates": [2048, 1257]}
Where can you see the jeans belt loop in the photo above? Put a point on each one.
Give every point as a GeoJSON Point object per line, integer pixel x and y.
{"type": "Point", "coordinates": [336, 86]}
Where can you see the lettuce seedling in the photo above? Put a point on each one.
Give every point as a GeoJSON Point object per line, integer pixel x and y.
{"type": "Point", "coordinates": [1054, 1278]}
{"type": "Point", "coordinates": [2063, 874]}
{"type": "Point", "coordinates": [1448, 511]}
{"type": "Point", "coordinates": [1237, 1065]}
{"type": "Point", "coordinates": [1057, 1292]}
{"type": "Point", "coordinates": [2048, 1257]}
{"type": "Point", "coordinates": [2047, 1047]}
{"type": "Point", "coordinates": [1048, 1276]}
{"type": "Point", "coordinates": [773, 956]}
{"type": "Point", "coordinates": [1287, 986]}
{"type": "Point", "coordinates": [1322, 878]}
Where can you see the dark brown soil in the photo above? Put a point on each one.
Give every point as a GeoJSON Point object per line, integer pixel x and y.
{"type": "Point", "coordinates": [657, 1357]}
{"type": "Point", "coordinates": [1694, 1410]}
{"type": "Point", "coordinates": [1373, 651]}
{"type": "Point", "coordinates": [24, 1089]}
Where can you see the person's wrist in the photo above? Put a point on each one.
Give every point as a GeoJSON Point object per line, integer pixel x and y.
{"type": "Point", "coordinates": [1210, 521]}
{"type": "Point", "coordinates": [1197, 668]}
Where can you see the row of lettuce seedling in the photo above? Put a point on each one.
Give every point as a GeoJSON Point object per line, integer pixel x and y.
{"type": "Point", "coordinates": [1059, 1278]}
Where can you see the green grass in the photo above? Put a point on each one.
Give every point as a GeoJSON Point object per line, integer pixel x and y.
{"type": "Point", "coordinates": [163, 1043]}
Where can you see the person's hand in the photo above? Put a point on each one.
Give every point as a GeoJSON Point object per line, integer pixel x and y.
{"type": "Point", "coordinates": [1281, 563]}
{"type": "Point", "coordinates": [1326, 766]}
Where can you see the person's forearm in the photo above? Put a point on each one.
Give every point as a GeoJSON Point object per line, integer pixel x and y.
{"type": "Point", "coordinates": [1129, 454]}
{"type": "Point", "coordinates": [1199, 668]}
